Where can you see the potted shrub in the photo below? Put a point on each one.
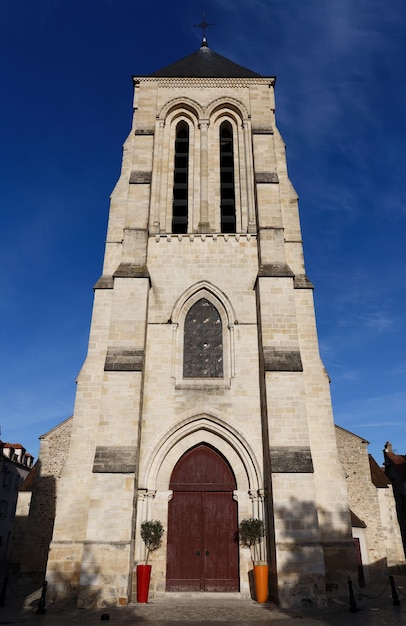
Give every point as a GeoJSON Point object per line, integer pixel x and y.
{"type": "Point", "coordinates": [251, 532]}
{"type": "Point", "coordinates": [151, 534]}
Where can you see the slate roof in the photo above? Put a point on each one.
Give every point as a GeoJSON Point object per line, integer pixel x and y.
{"type": "Point", "coordinates": [356, 522]}
{"type": "Point", "coordinates": [204, 63]}
{"type": "Point", "coordinates": [28, 483]}
{"type": "Point", "coordinates": [379, 478]}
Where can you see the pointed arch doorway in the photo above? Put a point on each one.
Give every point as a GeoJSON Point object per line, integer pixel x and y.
{"type": "Point", "coordinates": [202, 552]}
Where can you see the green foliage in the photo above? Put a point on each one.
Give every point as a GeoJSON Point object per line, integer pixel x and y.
{"type": "Point", "coordinates": [151, 534]}
{"type": "Point", "coordinates": [251, 531]}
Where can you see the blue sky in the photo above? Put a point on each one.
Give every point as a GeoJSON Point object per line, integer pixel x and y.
{"type": "Point", "coordinates": [66, 98]}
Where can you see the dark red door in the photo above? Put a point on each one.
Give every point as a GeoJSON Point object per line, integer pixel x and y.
{"type": "Point", "coordinates": [202, 524]}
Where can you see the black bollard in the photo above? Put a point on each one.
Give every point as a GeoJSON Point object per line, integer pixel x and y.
{"type": "Point", "coordinates": [395, 597]}
{"type": "Point", "coordinates": [41, 603]}
{"type": "Point", "coordinates": [3, 592]}
{"type": "Point", "coordinates": [353, 604]}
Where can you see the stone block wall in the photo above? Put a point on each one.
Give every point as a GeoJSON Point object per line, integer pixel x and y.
{"type": "Point", "coordinates": [368, 504]}
{"type": "Point", "coordinates": [37, 503]}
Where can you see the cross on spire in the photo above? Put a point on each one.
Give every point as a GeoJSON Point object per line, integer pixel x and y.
{"type": "Point", "coordinates": [203, 25]}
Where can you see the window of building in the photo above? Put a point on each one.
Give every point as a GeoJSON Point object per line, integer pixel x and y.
{"type": "Point", "coordinates": [227, 191]}
{"type": "Point", "coordinates": [180, 179]}
{"type": "Point", "coordinates": [203, 342]}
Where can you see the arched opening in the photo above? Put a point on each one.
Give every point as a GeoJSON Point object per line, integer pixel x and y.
{"type": "Point", "coordinates": [180, 180]}
{"type": "Point", "coordinates": [227, 191]}
{"type": "Point", "coordinates": [202, 524]}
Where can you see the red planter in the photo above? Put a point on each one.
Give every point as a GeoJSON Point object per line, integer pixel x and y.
{"type": "Point", "coordinates": [143, 578]}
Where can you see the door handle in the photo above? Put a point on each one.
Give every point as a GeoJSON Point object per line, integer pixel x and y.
{"type": "Point", "coordinates": [207, 553]}
{"type": "Point", "coordinates": [198, 553]}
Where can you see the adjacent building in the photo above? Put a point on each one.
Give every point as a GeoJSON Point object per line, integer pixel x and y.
{"type": "Point", "coordinates": [35, 511]}
{"type": "Point", "coordinates": [375, 527]}
{"type": "Point", "coordinates": [15, 465]}
{"type": "Point", "coordinates": [395, 470]}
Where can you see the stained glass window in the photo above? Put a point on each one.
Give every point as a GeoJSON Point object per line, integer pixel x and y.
{"type": "Point", "coordinates": [203, 342]}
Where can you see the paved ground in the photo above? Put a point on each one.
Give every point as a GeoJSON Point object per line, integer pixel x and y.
{"type": "Point", "coordinates": [206, 609]}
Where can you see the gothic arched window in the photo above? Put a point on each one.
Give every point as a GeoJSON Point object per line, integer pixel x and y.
{"type": "Point", "coordinates": [203, 342]}
{"type": "Point", "coordinates": [180, 179]}
{"type": "Point", "coordinates": [227, 193]}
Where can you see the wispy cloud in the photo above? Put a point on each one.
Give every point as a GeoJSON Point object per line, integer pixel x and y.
{"type": "Point", "coordinates": [356, 50]}
{"type": "Point", "coordinates": [376, 409]}
{"type": "Point", "coordinates": [377, 322]}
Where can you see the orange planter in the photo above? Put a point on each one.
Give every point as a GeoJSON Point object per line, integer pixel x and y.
{"type": "Point", "coordinates": [261, 582]}
{"type": "Point", "coordinates": [143, 578]}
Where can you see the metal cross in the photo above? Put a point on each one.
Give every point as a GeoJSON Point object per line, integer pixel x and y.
{"type": "Point", "coordinates": [203, 25]}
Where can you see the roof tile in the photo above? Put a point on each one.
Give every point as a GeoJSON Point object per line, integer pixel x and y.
{"type": "Point", "coordinates": [204, 63]}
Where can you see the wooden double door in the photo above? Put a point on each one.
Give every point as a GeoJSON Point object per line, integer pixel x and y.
{"type": "Point", "coordinates": [202, 524]}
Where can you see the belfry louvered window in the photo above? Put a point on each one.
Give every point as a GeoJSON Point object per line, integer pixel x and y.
{"type": "Point", "coordinates": [227, 193]}
{"type": "Point", "coordinates": [203, 342]}
{"type": "Point", "coordinates": [180, 180]}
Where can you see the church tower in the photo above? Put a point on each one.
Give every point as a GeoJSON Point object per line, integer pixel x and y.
{"type": "Point", "coordinates": [203, 399]}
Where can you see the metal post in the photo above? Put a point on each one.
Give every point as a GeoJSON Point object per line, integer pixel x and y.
{"type": "Point", "coordinates": [395, 597]}
{"type": "Point", "coordinates": [41, 604]}
{"type": "Point", "coordinates": [353, 604]}
{"type": "Point", "coordinates": [3, 592]}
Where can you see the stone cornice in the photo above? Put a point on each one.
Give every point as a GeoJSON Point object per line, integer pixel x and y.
{"type": "Point", "coordinates": [204, 237]}
{"type": "Point", "coordinates": [131, 270]}
{"type": "Point", "coordinates": [301, 281]}
{"type": "Point", "coordinates": [105, 282]}
{"type": "Point", "coordinates": [115, 460]}
{"type": "Point", "coordinates": [205, 82]}
{"type": "Point", "coordinates": [282, 360]}
{"type": "Point", "coordinates": [123, 360]}
{"type": "Point", "coordinates": [275, 270]}
{"type": "Point", "coordinates": [291, 460]}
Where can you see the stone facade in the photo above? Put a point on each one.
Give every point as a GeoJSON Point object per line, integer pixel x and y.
{"type": "Point", "coordinates": [15, 465]}
{"type": "Point", "coordinates": [371, 498]}
{"type": "Point", "coordinates": [395, 469]}
{"type": "Point", "coordinates": [137, 411]}
{"type": "Point", "coordinates": [35, 511]}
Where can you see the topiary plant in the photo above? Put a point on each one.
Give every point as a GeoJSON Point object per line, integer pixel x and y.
{"type": "Point", "coordinates": [151, 534]}
{"type": "Point", "coordinates": [251, 531]}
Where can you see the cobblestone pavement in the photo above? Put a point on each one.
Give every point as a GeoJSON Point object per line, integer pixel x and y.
{"type": "Point", "coordinates": [224, 610]}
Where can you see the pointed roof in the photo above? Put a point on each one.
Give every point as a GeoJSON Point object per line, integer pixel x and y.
{"type": "Point", "coordinates": [356, 522]}
{"type": "Point", "coordinates": [379, 478]}
{"type": "Point", "coordinates": [204, 63]}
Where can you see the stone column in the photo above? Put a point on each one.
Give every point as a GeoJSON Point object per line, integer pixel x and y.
{"type": "Point", "coordinates": [249, 173]}
{"type": "Point", "coordinates": [157, 208]}
{"type": "Point", "coordinates": [204, 226]}
{"type": "Point", "coordinates": [257, 498]}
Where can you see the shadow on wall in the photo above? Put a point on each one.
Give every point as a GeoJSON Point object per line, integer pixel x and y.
{"type": "Point", "coordinates": [308, 538]}
{"type": "Point", "coordinates": [22, 594]}
{"type": "Point", "coordinates": [65, 588]}
{"type": "Point", "coordinates": [315, 553]}
{"type": "Point", "coordinates": [33, 529]}
{"type": "Point", "coordinates": [299, 527]}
